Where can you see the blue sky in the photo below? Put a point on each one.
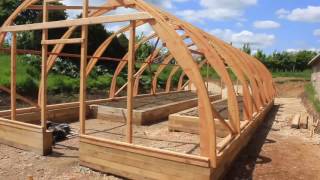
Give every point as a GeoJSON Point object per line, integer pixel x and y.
{"type": "Point", "coordinates": [282, 25]}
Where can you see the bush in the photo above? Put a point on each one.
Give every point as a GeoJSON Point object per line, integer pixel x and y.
{"type": "Point", "coordinates": [101, 82]}
{"type": "Point", "coordinates": [312, 96]}
{"type": "Point", "coordinates": [62, 84]}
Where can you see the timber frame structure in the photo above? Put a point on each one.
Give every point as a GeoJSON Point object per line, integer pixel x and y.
{"type": "Point", "coordinates": [125, 158]}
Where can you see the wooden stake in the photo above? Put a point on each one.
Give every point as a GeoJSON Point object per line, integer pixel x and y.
{"type": "Point", "coordinates": [83, 78]}
{"type": "Point", "coordinates": [131, 61]}
{"type": "Point", "coordinates": [44, 74]}
{"type": "Point", "coordinates": [208, 76]}
{"type": "Point", "coordinates": [13, 76]}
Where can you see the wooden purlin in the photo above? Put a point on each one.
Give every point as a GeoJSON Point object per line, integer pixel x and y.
{"type": "Point", "coordinates": [77, 22]}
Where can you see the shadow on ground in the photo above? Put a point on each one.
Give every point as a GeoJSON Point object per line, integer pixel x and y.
{"type": "Point", "coordinates": [249, 157]}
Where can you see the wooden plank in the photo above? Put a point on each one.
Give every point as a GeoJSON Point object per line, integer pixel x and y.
{"type": "Point", "coordinates": [25, 136]}
{"type": "Point", "coordinates": [153, 152]}
{"type": "Point", "coordinates": [303, 124]}
{"type": "Point", "coordinates": [78, 22]}
{"type": "Point", "coordinates": [62, 41]}
{"type": "Point", "coordinates": [50, 1]}
{"type": "Point", "coordinates": [131, 66]}
{"type": "Point", "coordinates": [83, 67]}
{"type": "Point", "coordinates": [63, 7]}
{"type": "Point", "coordinates": [13, 76]}
{"type": "Point", "coordinates": [295, 121]}
{"type": "Point", "coordinates": [138, 166]}
{"type": "Point", "coordinates": [44, 74]}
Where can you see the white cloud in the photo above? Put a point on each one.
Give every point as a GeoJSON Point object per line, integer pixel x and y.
{"type": "Point", "coordinates": [309, 14]}
{"type": "Point", "coordinates": [293, 50]}
{"type": "Point", "coordinates": [266, 24]}
{"type": "Point", "coordinates": [256, 40]}
{"type": "Point", "coordinates": [316, 32]}
{"type": "Point", "coordinates": [217, 10]}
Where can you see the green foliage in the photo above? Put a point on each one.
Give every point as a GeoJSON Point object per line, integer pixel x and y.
{"type": "Point", "coordinates": [7, 7]}
{"type": "Point", "coordinates": [26, 83]}
{"type": "Point", "coordinates": [285, 61]}
{"type": "Point", "coordinates": [32, 39]}
{"type": "Point", "coordinates": [246, 48]}
{"type": "Point", "coordinates": [306, 74]}
{"type": "Point", "coordinates": [144, 51]}
{"type": "Point", "coordinates": [312, 96]}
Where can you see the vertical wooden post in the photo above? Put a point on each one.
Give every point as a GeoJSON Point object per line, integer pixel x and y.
{"type": "Point", "coordinates": [44, 74]}
{"type": "Point", "coordinates": [207, 76]}
{"type": "Point", "coordinates": [83, 78]}
{"type": "Point", "coordinates": [237, 86]}
{"type": "Point", "coordinates": [221, 85]}
{"type": "Point", "coordinates": [13, 76]}
{"type": "Point", "coordinates": [131, 62]}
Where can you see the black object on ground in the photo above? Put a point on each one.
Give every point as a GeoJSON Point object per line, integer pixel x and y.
{"type": "Point", "coordinates": [59, 131]}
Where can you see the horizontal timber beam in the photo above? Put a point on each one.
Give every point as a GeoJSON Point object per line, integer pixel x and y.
{"type": "Point", "coordinates": [78, 22]}
{"type": "Point", "coordinates": [62, 41]}
{"type": "Point", "coordinates": [61, 7]}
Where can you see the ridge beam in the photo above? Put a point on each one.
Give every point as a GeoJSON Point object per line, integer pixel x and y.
{"type": "Point", "coordinates": [78, 22]}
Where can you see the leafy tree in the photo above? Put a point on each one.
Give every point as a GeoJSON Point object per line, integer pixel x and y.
{"type": "Point", "coordinates": [7, 7]}
{"type": "Point", "coordinates": [144, 50]}
{"type": "Point", "coordinates": [246, 48]}
{"type": "Point", "coordinates": [261, 55]}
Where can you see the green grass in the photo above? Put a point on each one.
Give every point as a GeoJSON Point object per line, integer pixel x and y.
{"type": "Point", "coordinates": [312, 96]}
{"type": "Point", "coordinates": [306, 75]}
{"type": "Point", "coordinates": [26, 84]}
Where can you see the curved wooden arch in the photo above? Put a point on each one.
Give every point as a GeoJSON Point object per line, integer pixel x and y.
{"type": "Point", "coordinates": [183, 74]}
{"type": "Point", "coordinates": [218, 54]}
{"type": "Point", "coordinates": [166, 62]}
{"type": "Point", "coordinates": [122, 64]}
{"type": "Point", "coordinates": [148, 61]}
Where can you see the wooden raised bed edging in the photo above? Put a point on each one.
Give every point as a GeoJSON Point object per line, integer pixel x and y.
{"type": "Point", "coordinates": [147, 115]}
{"type": "Point", "coordinates": [188, 120]}
{"type": "Point", "coordinates": [25, 136]}
{"type": "Point", "coordinates": [137, 162]}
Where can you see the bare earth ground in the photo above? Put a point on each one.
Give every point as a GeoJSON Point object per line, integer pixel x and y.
{"type": "Point", "coordinates": [275, 152]}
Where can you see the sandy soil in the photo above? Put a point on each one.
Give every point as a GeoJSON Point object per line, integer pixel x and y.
{"type": "Point", "coordinates": [277, 151]}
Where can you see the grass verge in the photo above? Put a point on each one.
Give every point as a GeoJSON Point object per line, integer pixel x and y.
{"type": "Point", "coordinates": [312, 96]}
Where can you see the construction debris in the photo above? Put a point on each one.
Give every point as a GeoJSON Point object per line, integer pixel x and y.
{"type": "Point", "coordinates": [303, 121]}
{"type": "Point", "coordinates": [295, 121]}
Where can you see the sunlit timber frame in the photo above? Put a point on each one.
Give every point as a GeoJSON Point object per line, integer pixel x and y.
{"type": "Point", "coordinates": [256, 81]}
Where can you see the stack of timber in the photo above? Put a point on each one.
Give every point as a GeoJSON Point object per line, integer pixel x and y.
{"type": "Point", "coordinates": [301, 121]}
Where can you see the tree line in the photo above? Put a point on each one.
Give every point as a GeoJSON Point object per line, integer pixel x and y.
{"type": "Point", "coordinates": [283, 61]}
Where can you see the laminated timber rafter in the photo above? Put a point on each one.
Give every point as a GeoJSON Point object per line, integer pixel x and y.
{"type": "Point", "coordinates": [256, 81]}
